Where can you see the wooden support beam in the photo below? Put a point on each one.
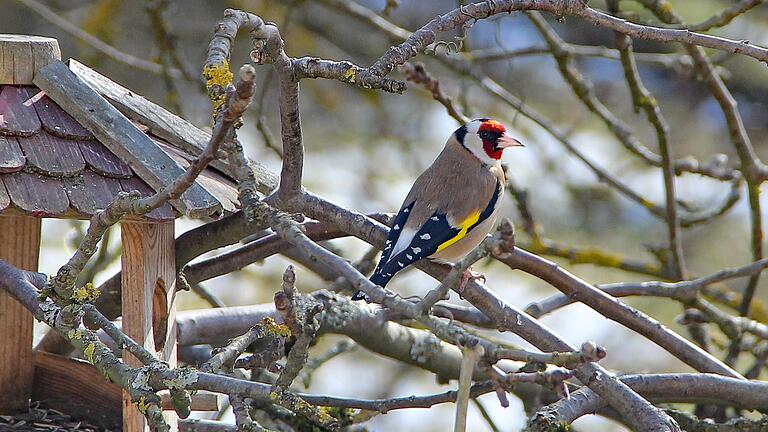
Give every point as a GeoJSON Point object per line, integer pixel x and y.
{"type": "Point", "coordinates": [149, 301]}
{"type": "Point", "coordinates": [122, 137]}
{"type": "Point", "coordinates": [19, 246]}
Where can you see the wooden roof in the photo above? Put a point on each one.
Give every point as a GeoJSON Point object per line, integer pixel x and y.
{"type": "Point", "coordinates": [52, 166]}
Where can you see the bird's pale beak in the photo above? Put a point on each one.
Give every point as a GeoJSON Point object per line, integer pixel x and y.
{"type": "Point", "coordinates": [507, 141]}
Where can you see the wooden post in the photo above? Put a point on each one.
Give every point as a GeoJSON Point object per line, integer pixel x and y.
{"type": "Point", "coordinates": [19, 246]}
{"type": "Point", "coordinates": [21, 56]}
{"type": "Point", "coordinates": [149, 301]}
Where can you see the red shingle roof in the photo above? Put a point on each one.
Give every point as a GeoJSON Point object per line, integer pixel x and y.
{"type": "Point", "coordinates": [51, 166]}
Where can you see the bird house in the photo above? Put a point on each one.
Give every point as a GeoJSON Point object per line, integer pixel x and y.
{"type": "Point", "coordinates": [70, 141]}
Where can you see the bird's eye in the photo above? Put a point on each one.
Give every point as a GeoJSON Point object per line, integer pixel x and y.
{"type": "Point", "coordinates": [485, 135]}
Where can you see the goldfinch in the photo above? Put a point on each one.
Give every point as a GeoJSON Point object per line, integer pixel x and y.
{"type": "Point", "coordinates": [452, 206]}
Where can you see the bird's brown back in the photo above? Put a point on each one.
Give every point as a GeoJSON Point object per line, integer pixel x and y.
{"type": "Point", "coordinates": [455, 169]}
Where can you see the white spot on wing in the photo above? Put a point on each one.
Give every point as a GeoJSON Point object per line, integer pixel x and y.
{"type": "Point", "coordinates": [406, 210]}
{"type": "Point", "coordinates": [425, 236]}
{"type": "Point", "coordinates": [435, 218]}
{"type": "Point", "coordinates": [396, 227]}
{"type": "Point", "coordinates": [400, 264]}
{"type": "Point", "coordinates": [410, 257]}
{"type": "Point", "coordinates": [416, 250]}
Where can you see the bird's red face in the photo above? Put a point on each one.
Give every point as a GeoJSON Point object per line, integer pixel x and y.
{"type": "Point", "coordinates": [486, 139]}
{"type": "Point", "coordinates": [495, 139]}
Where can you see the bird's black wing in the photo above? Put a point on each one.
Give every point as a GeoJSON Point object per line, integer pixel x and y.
{"type": "Point", "coordinates": [435, 232]}
{"type": "Point", "coordinates": [394, 232]}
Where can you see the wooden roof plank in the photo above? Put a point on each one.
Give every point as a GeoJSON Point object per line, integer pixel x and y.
{"type": "Point", "coordinates": [226, 194]}
{"type": "Point", "coordinates": [102, 161]}
{"type": "Point", "coordinates": [163, 123]}
{"type": "Point", "coordinates": [59, 123]}
{"type": "Point", "coordinates": [36, 194]}
{"type": "Point", "coordinates": [16, 117]}
{"type": "Point", "coordinates": [11, 157]}
{"type": "Point", "coordinates": [121, 137]}
{"type": "Point", "coordinates": [90, 192]}
{"type": "Point", "coordinates": [224, 189]}
{"type": "Point", "coordinates": [52, 155]}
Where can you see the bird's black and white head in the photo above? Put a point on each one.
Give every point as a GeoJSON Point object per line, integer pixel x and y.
{"type": "Point", "coordinates": [486, 139]}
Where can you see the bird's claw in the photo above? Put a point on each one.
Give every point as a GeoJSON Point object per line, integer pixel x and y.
{"type": "Point", "coordinates": [469, 275]}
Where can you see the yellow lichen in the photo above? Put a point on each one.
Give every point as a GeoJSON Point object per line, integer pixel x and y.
{"type": "Point", "coordinates": [647, 100]}
{"type": "Point", "coordinates": [343, 414]}
{"type": "Point", "coordinates": [89, 352]}
{"type": "Point", "coordinates": [363, 415]}
{"type": "Point", "coordinates": [274, 328]}
{"type": "Point", "coordinates": [217, 78]}
{"type": "Point", "coordinates": [142, 405]}
{"type": "Point", "coordinates": [85, 293]}
{"type": "Point", "coordinates": [585, 255]}
{"type": "Point", "coordinates": [350, 75]}
{"type": "Point", "coordinates": [75, 334]}
{"type": "Point", "coordinates": [303, 406]}
{"type": "Point", "coordinates": [217, 74]}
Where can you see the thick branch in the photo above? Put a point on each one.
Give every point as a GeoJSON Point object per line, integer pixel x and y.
{"type": "Point", "coordinates": [616, 310]}
{"type": "Point", "coordinates": [683, 290]}
{"type": "Point", "coordinates": [702, 388]}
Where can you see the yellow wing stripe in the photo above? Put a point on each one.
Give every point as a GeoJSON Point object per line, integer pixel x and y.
{"type": "Point", "coordinates": [464, 225]}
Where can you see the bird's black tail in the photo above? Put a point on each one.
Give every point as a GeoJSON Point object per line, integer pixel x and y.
{"type": "Point", "coordinates": [378, 279]}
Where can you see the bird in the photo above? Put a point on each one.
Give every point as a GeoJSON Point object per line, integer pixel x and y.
{"type": "Point", "coordinates": [452, 205]}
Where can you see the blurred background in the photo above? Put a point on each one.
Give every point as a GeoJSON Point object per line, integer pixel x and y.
{"type": "Point", "coordinates": [365, 148]}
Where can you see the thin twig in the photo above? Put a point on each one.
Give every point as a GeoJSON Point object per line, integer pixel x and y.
{"type": "Point", "coordinates": [751, 166]}
{"type": "Point", "coordinates": [418, 73]}
{"type": "Point", "coordinates": [471, 355]}
{"type": "Point", "coordinates": [643, 99]}
{"type": "Point", "coordinates": [726, 16]}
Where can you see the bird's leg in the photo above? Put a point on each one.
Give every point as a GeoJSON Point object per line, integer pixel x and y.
{"type": "Point", "coordinates": [469, 275]}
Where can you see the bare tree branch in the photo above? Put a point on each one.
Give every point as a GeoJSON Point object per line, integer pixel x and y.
{"type": "Point", "coordinates": [683, 290]}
